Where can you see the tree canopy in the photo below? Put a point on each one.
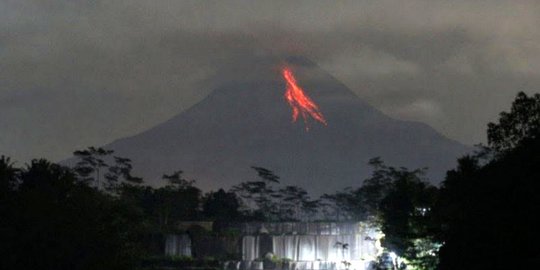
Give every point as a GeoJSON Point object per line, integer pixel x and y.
{"type": "Point", "coordinates": [521, 123]}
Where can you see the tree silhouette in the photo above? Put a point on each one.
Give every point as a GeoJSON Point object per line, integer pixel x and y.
{"type": "Point", "coordinates": [406, 218]}
{"type": "Point", "coordinates": [52, 220]}
{"type": "Point", "coordinates": [338, 204]}
{"type": "Point", "coordinates": [179, 200]}
{"type": "Point", "coordinates": [91, 161]}
{"type": "Point", "coordinates": [261, 193]}
{"type": "Point", "coordinates": [8, 176]}
{"type": "Point", "coordinates": [120, 173]}
{"type": "Point", "coordinates": [522, 122]}
{"type": "Point", "coordinates": [177, 181]}
{"type": "Point", "coordinates": [487, 210]}
{"type": "Point", "coordinates": [293, 201]}
{"type": "Point", "coordinates": [221, 206]}
{"type": "Point", "coordinates": [374, 190]}
{"type": "Point", "coordinates": [400, 202]}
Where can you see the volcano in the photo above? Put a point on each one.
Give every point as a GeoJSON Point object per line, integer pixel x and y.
{"type": "Point", "coordinates": [247, 122]}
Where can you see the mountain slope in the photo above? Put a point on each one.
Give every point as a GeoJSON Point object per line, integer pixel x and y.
{"type": "Point", "coordinates": [248, 122]}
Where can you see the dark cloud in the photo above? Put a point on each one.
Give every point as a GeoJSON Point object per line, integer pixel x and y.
{"type": "Point", "coordinates": [79, 73]}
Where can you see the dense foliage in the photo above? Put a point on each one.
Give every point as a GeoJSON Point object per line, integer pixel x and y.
{"type": "Point", "coordinates": [52, 220]}
{"type": "Point", "coordinates": [521, 124]}
{"type": "Point", "coordinates": [488, 209]}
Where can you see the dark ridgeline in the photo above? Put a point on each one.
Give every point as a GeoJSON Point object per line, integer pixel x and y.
{"type": "Point", "coordinates": [246, 121]}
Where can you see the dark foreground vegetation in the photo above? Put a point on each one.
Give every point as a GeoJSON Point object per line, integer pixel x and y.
{"type": "Point", "coordinates": [97, 215]}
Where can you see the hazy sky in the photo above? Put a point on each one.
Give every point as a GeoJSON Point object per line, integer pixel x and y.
{"type": "Point", "coordinates": [75, 73]}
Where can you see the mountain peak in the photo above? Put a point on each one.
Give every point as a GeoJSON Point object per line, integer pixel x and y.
{"type": "Point", "coordinates": [245, 123]}
{"type": "Point", "coordinates": [300, 61]}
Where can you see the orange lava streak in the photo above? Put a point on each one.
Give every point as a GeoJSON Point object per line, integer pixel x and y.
{"type": "Point", "coordinates": [300, 103]}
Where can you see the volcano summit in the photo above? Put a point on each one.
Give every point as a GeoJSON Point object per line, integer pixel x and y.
{"type": "Point", "coordinates": [247, 121]}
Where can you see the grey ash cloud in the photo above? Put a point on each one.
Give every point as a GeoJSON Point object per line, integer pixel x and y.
{"type": "Point", "coordinates": [79, 73]}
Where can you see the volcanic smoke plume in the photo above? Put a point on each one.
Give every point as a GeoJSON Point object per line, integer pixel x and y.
{"type": "Point", "coordinates": [299, 101]}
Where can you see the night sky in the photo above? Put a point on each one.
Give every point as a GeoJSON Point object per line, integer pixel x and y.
{"type": "Point", "coordinates": [80, 73]}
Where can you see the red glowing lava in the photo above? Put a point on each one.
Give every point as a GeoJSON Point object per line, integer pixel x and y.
{"type": "Point", "coordinates": [300, 103]}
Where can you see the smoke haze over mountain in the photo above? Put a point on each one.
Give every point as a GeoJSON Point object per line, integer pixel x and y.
{"type": "Point", "coordinates": [80, 73]}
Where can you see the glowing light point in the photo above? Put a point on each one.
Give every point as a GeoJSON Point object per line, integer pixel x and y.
{"type": "Point", "coordinates": [300, 103]}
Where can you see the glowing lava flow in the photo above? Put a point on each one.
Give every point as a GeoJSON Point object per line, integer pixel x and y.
{"type": "Point", "coordinates": [299, 101]}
